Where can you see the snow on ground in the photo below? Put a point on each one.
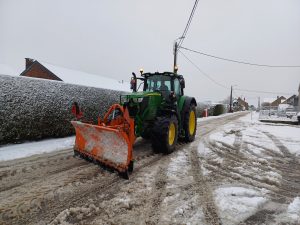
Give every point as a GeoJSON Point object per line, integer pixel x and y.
{"type": "Point", "coordinates": [289, 135]}
{"type": "Point", "coordinates": [213, 117]}
{"type": "Point", "coordinates": [16, 151]}
{"type": "Point", "coordinates": [244, 150]}
{"type": "Point", "coordinates": [237, 203]}
{"type": "Point", "coordinates": [179, 204]}
{"type": "Point", "coordinates": [292, 214]}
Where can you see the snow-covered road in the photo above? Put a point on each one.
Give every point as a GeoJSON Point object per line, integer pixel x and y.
{"type": "Point", "coordinates": [238, 171]}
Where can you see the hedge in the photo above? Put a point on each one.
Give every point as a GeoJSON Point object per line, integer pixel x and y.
{"type": "Point", "coordinates": [32, 109]}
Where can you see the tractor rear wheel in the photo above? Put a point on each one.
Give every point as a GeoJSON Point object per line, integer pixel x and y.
{"type": "Point", "coordinates": [190, 124]}
{"type": "Point", "coordinates": [164, 134]}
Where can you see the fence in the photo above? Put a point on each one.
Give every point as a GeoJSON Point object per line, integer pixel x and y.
{"type": "Point", "coordinates": [278, 113]}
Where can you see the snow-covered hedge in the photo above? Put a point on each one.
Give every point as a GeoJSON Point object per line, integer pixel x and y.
{"type": "Point", "coordinates": [32, 109]}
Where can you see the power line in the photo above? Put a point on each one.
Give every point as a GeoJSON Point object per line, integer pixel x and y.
{"type": "Point", "coordinates": [263, 92]}
{"type": "Point", "coordinates": [238, 61]}
{"type": "Point", "coordinates": [188, 24]}
{"type": "Point", "coordinates": [202, 72]}
{"type": "Point", "coordinates": [223, 86]}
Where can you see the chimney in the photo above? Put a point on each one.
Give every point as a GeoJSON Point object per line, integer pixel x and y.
{"type": "Point", "coordinates": [28, 62]}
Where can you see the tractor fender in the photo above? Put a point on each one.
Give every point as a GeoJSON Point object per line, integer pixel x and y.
{"type": "Point", "coordinates": [186, 105]}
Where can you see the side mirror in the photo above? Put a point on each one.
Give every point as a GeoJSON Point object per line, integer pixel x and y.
{"type": "Point", "coordinates": [133, 83]}
{"type": "Point", "coordinates": [182, 83]}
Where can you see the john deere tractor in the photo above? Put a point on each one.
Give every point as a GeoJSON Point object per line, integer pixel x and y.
{"type": "Point", "coordinates": [157, 110]}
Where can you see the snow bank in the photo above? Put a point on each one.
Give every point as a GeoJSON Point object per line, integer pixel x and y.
{"type": "Point", "coordinates": [213, 117]}
{"type": "Point", "coordinates": [33, 108]}
{"type": "Point", "coordinates": [17, 151]}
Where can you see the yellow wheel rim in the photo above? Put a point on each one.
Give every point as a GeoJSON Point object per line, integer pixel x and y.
{"type": "Point", "coordinates": [192, 122]}
{"type": "Point", "coordinates": [172, 132]}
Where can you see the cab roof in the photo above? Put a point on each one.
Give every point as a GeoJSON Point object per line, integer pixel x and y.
{"type": "Point", "coordinates": [162, 74]}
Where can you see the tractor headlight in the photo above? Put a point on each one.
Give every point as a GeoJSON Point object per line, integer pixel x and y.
{"type": "Point", "coordinates": [137, 100]}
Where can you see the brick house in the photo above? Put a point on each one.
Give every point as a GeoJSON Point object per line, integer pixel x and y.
{"type": "Point", "coordinates": [43, 70]}
{"type": "Point", "coordinates": [240, 104]}
{"type": "Point", "coordinates": [34, 68]}
{"type": "Point", "coordinates": [293, 100]}
{"type": "Point", "coordinates": [278, 101]}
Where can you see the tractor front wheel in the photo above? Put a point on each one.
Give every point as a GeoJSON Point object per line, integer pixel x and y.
{"type": "Point", "coordinates": [190, 124]}
{"type": "Point", "coordinates": [164, 134]}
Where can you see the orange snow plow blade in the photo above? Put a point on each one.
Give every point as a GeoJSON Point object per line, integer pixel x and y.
{"type": "Point", "coordinates": [110, 142]}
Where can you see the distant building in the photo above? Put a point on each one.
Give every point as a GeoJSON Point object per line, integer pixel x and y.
{"type": "Point", "coordinates": [299, 98]}
{"type": "Point", "coordinates": [240, 104]}
{"type": "Point", "coordinates": [278, 101]}
{"type": "Point", "coordinates": [38, 69]}
{"type": "Point", "coordinates": [34, 68]}
{"type": "Point", "coordinates": [293, 100]}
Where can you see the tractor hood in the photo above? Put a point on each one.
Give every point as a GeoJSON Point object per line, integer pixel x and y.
{"type": "Point", "coordinates": [143, 94]}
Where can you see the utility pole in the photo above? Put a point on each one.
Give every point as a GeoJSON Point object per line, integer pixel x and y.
{"type": "Point", "coordinates": [230, 104]}
{"type": "Point", "coordinates": [175, 68]}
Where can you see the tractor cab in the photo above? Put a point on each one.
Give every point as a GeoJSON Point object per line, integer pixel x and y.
{"type": "Point", "coordinates": [170, 85]}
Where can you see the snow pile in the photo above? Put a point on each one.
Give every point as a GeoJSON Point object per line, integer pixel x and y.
{"type": "Point", "coordinates": [33, 108]}
{"type": "Point", "coordinates": [215, 117]}
{"type": "Point", "coordinates": [87, 79]}
{"type": "Point", "coordinates": [237, 203]}
{"type": "Point", "coordinates": [17, 151]}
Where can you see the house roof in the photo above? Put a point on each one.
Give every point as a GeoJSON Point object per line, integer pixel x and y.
{"type": "Point", "coordinates": [271, 100]}
{"type": "Point", "coordinates": [242, 101]}
{"type": "Point", "coordinates": [286, 100]}
{"type": "Point", "coordinates": [83, 78]}
{"type": "Point", "coordinates": [42, 67]}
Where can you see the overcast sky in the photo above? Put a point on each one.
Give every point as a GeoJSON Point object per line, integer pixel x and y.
{"type": "Point", "coordinates": [114, 38]}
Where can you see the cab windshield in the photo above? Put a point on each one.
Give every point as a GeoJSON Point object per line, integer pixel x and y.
{"type": "Point", "coordinates": [158, 83]}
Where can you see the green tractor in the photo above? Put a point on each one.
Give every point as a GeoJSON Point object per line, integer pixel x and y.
{"type": "Point", "coordinates": [159, 112]}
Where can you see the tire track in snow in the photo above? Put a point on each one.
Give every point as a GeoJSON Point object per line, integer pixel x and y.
{"type": "Point", "coordinates": [203, 189]}
{"type": "Point", "coordinates": [283, 191]}
{"type": "Point", "coordinates": [289, 168]}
